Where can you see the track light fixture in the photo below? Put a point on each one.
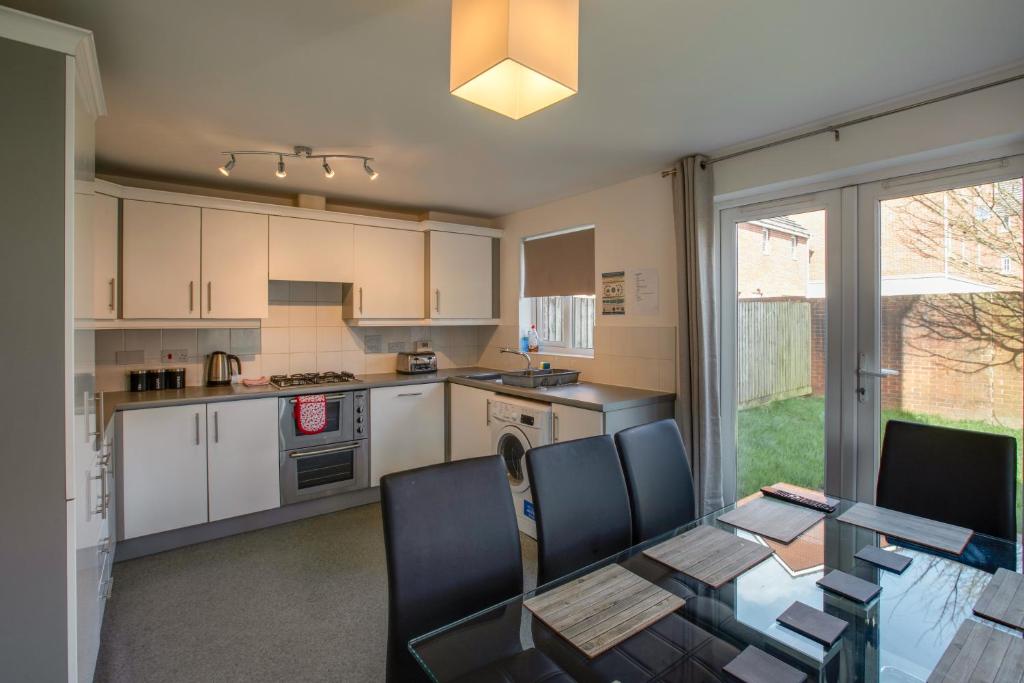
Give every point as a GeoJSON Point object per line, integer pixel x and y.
{"type": "Point", "coordinates": [226, 168]}
{"type": "Point", "coordinates": [301, 152]}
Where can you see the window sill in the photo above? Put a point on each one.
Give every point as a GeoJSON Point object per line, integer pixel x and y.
{"type": "Point", "coordinates": [565, 354]}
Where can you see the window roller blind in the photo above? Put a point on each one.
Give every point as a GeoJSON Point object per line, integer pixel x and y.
{"type": "Point", "coordinates": [560, 265]}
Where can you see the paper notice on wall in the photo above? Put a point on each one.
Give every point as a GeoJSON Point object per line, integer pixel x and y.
{"type": "Point", "coordinates": [613, 293]}
{"type": "Point", "coordinates": [642, 291]}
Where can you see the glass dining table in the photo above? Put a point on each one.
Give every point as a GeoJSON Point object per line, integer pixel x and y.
{"type": "Point", "coordinates": [898, 637]}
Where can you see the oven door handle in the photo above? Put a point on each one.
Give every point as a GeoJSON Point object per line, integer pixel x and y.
{"type": "Point", "coordinates": [324, 451]}
{"type": "Point", "coordinates": [329, 397]}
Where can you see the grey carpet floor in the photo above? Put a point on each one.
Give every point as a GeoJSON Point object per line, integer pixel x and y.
{"type": "Point", "coordinates": [305, 601]}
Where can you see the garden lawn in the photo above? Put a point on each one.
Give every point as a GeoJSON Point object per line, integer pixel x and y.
{"type": "Point", "coordinates": [784, 441]}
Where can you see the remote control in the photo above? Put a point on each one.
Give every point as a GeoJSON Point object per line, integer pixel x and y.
{"type": "Point", "coordinates": [797, 499]}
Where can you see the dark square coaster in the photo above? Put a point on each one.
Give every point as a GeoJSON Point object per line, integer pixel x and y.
{"type": "Point", "coordinates": [849, 586]}
{"type": "Point", "coordinates": [813, 623]}
{"type": "Point", "coordinates": [885, 559]}
{"type": "Point", "coordinates": [755, 666]}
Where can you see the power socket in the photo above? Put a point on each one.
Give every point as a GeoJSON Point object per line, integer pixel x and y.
{"type": "Point", "coordinates": [174, 356]}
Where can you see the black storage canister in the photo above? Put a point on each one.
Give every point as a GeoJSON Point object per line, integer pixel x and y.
{"type": "Point", "coordinates": [137, 380]}
{"type": "Point", "coordinates": [174, 378]}
{"type": "Point", "coordinates": [154, 380]}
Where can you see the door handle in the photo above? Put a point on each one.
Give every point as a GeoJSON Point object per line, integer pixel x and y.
{"type": "Point", "coordinates": [417, 393]}
{"type": "Point", "coordinates": [488, 412]}
{"type": "Point", "coordinates": [437, 300]}
{"type": "Point", "coordinates": [554, 427]}
{"type": "Point", "coordinates": [216, 426]}
{"type": "Point", "coordinates": [209, 296]}
{"type": "Point", "coordinates": [111, 304]}
{"type": "Point", "coordinates": [191, 296]}
{"type": "Point", "coordinates": [197, 429]}
{"type": "Point", "coordinates": [360, 299]}
{"type": "Point", "coordinates": [863, 371]}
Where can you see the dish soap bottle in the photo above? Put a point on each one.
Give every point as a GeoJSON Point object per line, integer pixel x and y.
{"type": "Point", "coordinates": [534, 340]}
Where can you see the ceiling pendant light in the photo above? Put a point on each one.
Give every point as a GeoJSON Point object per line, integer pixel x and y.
{"type": "Point", "coordinates": [226, 168]}
{"type": "Point", "coordinates": [369, 170]}
{"type": "Point", "coordinates": [515, 56]}
{"type": "Point", "coordinates": [328, 171]}
{"type": "Point", "coordinates": [280, 172]}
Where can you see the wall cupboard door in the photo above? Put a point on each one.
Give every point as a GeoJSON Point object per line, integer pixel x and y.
{"type": "Point", "coordinates": [242, 457]}
{"type": "Point", "coordinates": [389, 273]}
{"type": "Point", "coordinates": [160, 261]}
{"type": "Point", "coordinates": [234, 265]}
{"type": "Point", "coordinates": [310, 250]}
{"type": "Point", "coordinates": [575, 423]}
{"type": "Point", "coordinates": [470, 433]}
{"type": "Point", "coordinates": [104, 257]}
{"type": "Point", "coordinates": [163, 469]}
{"type": "Point", "coordinates": [460, 276]}
{"type": "Point", "coordinates": [406, 428]}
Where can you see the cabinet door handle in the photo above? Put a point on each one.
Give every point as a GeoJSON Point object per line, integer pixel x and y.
{"type": "Point", "coordinates": [209, 296]}
{"type": "Point", "coordinates": [191, 296]}
{"type": "Point", "coordinates": [488, 411]}
{"type": "Point", "coordinates": [104, 496]}
{"type": "Point", "coordinates": [216, 426]}
{"type": "Point", "coordinates": [197, 429]}
{"type": "Point", "coordinates": [111, 304]}
{"type": "Point", "coordinates": [437, 300]}
{"type": "Point", "coordinates": [554, 427]}
{"type": "Point", "coordinates": [360, 299]}
{"type": "Point", "coordinates": [417, 393]}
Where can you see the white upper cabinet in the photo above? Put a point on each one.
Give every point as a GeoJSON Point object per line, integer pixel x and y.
{"type": "Point", "coordinates": [242, 451]}
{"type": "Point", "coordinates": [160, 261]}
{"type": "Point", "coordinates": [309, 250]}
{"type": "Point", "coordinates": [460, 276]}
{"type": "Point", "coordinates": [234, 265]}
{"type": "Point", "coordinates": [389, 274]}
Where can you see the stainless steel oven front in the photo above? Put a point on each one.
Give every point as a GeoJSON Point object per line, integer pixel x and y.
{"type": "Point", "coordinates": [341, 409]}
{"type": "Point", "coordinates": [308, 473]}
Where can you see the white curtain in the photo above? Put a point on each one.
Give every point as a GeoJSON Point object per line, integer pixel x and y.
{"type": "Point", "coordinates": [698, 406]}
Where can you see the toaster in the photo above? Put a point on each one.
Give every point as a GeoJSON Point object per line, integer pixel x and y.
{"type": "Point", "coordinates": [412, 363]}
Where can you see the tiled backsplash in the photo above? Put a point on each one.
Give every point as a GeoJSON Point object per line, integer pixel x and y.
{"type": "Point", "coordinates": [305, 332]}
{"type": "Point", "coordinates": [642, 357]}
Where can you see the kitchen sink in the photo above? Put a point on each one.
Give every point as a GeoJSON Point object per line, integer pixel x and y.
{"type": "Point", "coordinates": [540, 378]}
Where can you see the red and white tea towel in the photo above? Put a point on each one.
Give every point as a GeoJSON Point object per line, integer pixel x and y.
{"type": "Point", "coordinates": [311, 413]}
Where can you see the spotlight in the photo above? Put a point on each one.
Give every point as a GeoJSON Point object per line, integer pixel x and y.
{"type": "Point", "coordinates": [280, 172]}
{"type": "Point", "coordinates": [226, 168]}
{"type": "Point", "coordinates": [328, 171]}
{"type": "Point", "coordinates": [369, 171]}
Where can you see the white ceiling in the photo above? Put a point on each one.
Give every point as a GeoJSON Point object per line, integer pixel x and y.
{"type": "Point", "coordinates": [658, 79]}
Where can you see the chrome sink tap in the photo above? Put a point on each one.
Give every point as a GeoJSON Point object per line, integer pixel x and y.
{"type": "Point", "coordinates": [529, 362]}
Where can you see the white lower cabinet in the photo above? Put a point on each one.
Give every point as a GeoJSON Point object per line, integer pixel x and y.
{"type": "Point", "coordinates": [242, 452]}
{"type": "Point", "coordinates": [575, 423]}
{"type": "Point", "coordinates": [470, 433]}
{"type": "Point", "coordinates": [163, 469]}
{"type": "Point", "coordinates": [406, 428]}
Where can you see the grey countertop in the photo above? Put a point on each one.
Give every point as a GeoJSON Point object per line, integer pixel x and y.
{"type": "Point", "coordinates": [602, 397]}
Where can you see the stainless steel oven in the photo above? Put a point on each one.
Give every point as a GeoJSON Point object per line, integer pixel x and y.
{"type": "Point", "coordinates": [336, 460]}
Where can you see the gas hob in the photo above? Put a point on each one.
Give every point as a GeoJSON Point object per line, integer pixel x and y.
{"type": "Point", "coordinates": [312, 378]}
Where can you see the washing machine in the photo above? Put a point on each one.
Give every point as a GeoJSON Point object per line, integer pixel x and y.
{"type": "Point", "coordinates": [517, 426]}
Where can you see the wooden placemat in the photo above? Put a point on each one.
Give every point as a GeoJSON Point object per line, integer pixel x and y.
{"type": "Point", "coordinates": [980, 653]}
{"type": "Point", "coordinates": [1002, 601]}
{"type": "Point", "coordinates": [709, 554]}
{"type": "Point", "coordinates": [926, 532]}
{"type": "Point", "coordinates": [773, 519]}
{"type": "Point", "coordinates": [598, 611]}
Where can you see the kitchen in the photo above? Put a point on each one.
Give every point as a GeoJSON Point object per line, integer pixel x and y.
{"type": "Point", "coordinates": [271, 269]}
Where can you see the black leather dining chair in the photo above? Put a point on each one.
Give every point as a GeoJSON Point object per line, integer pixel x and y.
{"type": "Point", "coordinates": [950, 475]}
{"type": "Point", "coordinates": [658, 478]}
{"type": "Point", "coordinates": [452, 547]}
{"type": "Point", "coordinates": [581, 504]}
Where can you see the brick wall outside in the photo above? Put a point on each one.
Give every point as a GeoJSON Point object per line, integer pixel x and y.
{"type": "Point", "coordinates": [928, 382]}
{"type": "Point", "coordinates": [775, 274]}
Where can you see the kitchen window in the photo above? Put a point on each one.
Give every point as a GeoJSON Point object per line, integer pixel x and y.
{"type": "Point", "coordinates": [558, 295]}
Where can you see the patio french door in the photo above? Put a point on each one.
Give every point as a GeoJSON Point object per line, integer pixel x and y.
{"type": "Point", "coordinates": [784, 320]}
{"type": "Point", "coordinates": [842, 309]}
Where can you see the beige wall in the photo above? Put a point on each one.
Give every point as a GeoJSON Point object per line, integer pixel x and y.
{"type": "Point", "coordinates": [633, 229]}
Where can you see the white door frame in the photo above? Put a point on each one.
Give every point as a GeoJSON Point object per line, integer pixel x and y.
{"type": "Point", "coordinates": [868, 304]}
{"type": "Point", "coordinates": [840, 286]}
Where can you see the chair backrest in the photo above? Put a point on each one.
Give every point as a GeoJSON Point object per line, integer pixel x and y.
{"type": "Point", "coordinates": [658, 478]}
{"type": "Point", "coordinates": [581, 504]}
{"type": "Point", "coordinates": [452, 546]}
{"type": "Point", "coordinates": [950, 475]}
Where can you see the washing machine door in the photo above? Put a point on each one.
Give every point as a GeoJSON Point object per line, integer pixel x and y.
{"type": "Point", "coordinates": [512, 446]}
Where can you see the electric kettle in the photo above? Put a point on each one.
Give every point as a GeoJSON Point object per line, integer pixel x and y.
{"type": "Point", "coordinates": [218, 368]}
